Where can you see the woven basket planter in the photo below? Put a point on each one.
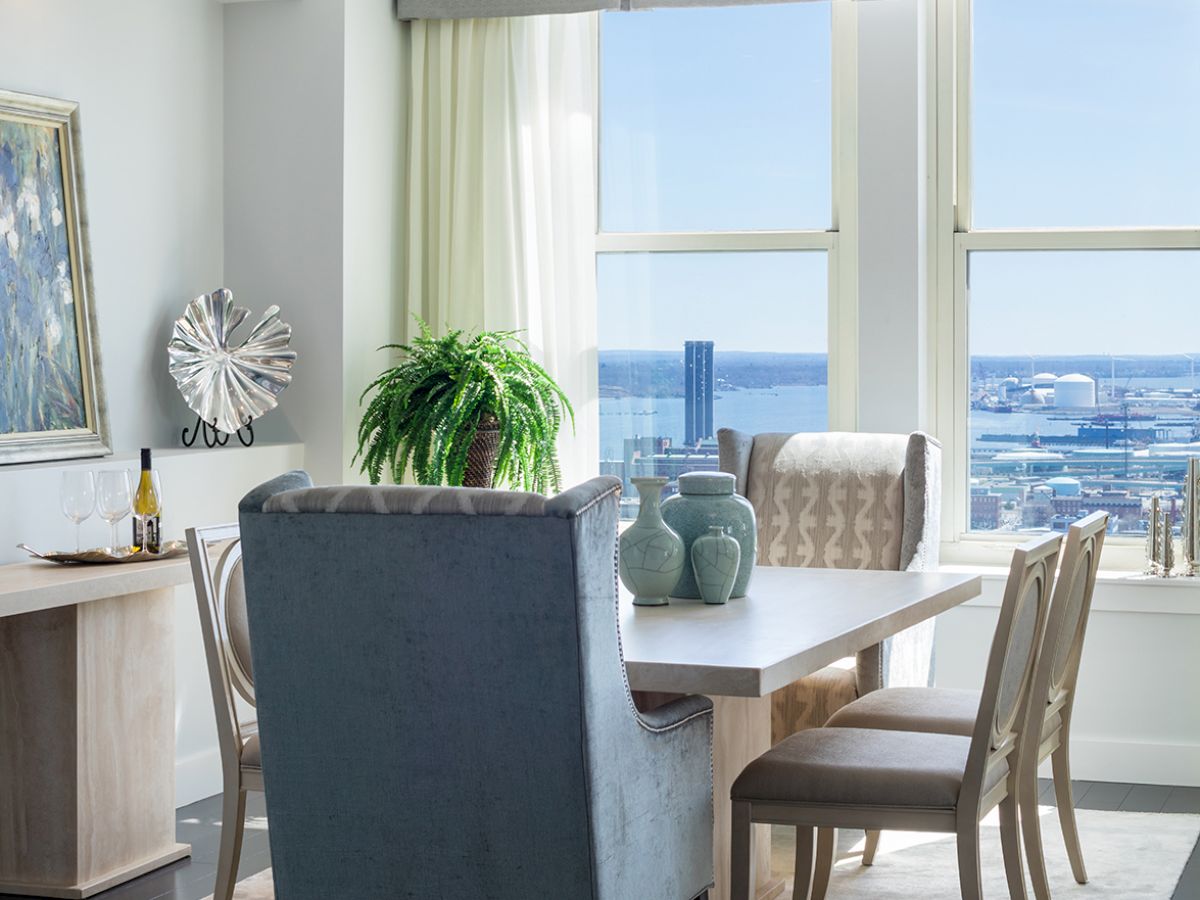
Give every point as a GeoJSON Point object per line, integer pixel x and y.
{"type": "Point", "coordinates": [481, 457]}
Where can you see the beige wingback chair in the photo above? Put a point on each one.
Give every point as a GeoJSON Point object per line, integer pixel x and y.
{"type": "Point", "coordinates": [843, 501]}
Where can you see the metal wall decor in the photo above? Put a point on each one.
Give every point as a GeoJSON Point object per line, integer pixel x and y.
{"type": "Point", "coordinates": [228, 385]}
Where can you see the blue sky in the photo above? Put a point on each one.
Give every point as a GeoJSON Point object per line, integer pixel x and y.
{"type": "Point", "coordinates": [1084, 115]}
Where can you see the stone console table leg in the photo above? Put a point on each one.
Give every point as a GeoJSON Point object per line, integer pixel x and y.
{"type": "Point", "coordinates": [87, 745]}
{"type": "Point", "coordinates": [741, 733]}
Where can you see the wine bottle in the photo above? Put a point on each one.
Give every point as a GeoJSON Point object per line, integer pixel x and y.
{"type": "Point", "coordinates": [147, 511]}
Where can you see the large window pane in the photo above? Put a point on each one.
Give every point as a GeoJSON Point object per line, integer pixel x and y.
{"type": "Point", "coordinates": [1085, 112]}
{"type": "Point", "coordinates": [716, 119]}
{"type": "Point", "coordinates": [739, 338]}
{"type": "Point", "coordinates": [1084, 390]}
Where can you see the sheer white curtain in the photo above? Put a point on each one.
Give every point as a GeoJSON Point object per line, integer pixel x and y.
{"type": "Point", "coordinates": [501, 183]}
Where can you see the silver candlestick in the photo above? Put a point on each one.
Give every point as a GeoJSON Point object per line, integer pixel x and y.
{"type": "Point", "coordinates": [1168, 545]}
{"type": "Point", "coordinates": [1191, 519]}
{"type": "Point", "coordinates": [1154, 537]}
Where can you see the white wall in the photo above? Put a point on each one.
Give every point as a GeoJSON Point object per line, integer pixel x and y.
{"type": "Point", "coordinates": [891, 220]}
{"type": "Point", "coordinates": [314, 107]}
{"type": "Point", "coordinates": [1136, 717]}
{"type": "Point", "coordinates": [283, 121]}
{"type": "Point", "coordinates": [147, 76]}
{"type": "Point", "coordinates": [375, 135]}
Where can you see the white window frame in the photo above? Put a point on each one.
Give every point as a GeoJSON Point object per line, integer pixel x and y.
{"type": "Point", "coordinates": [839, 241]}
{"type": "Point", "coordinates": [952, 238]}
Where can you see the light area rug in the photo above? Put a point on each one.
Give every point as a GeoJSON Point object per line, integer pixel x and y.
{"type": "Point", "coordinates": [1128, 855]}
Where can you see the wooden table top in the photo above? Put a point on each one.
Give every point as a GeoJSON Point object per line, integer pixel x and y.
{"type": "Point", "coordinates": [38, 585]}
{"type": "Point", "coordinates": [793, 622]}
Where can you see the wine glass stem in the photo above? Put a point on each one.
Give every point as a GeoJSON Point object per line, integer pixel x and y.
{"type": "Point", "coordinates": [114, 536]}
{"type": "Point", "coordinates": [77, 524]}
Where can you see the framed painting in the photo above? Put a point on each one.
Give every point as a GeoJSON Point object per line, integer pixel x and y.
{"type": "Point", "coordinates": [51, 395]}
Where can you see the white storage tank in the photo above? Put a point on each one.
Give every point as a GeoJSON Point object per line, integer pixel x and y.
{"type": "Point", "coordinates": [1075, 392]}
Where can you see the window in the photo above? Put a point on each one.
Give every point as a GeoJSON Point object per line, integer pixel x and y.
{"type": "Point", "coordinates": [718, 259]}
{"type": "Point", "coordinates": [1068, 247]}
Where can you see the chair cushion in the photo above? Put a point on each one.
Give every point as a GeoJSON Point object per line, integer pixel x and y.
{"type": "Point", "coordinates": [860, 767]}
{"type": "Point", "coordinates": [931, 710]}
{"type": "Point", "coordinates": [251, 753]}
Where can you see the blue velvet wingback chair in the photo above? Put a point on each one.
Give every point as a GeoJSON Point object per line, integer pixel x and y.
{"type": "Point", "coordinates": [442, 701]}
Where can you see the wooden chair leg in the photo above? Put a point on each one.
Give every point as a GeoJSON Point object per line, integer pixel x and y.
{"type": "Point", "coordinates": [870, 848]}
{"type": "Point", "coordinates": [1010, 841]}
{"type": "Point", "coordinates": [970, 878]}
{"type": "Point", "coordinates": [233, 821]}
{"type": "Point", "coordinates": [805, 859]}
{"type": "Point", "coordinates": [826, 856]}
{"type": "Point", "coordinates": [1031, 832]}
{"type": "Point", "coordinates": [741, 851]}
{"type": "Point", "coordinates": [1061, 766]}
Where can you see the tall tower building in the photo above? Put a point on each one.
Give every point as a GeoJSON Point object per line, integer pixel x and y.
{"type": "Point", "coordinates": [697, 391]}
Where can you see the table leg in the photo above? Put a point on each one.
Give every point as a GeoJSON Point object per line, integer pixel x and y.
{"type": "Point", "coordinates": [741, 733]}
{"type": "Point", "coordinates": [87, 742]}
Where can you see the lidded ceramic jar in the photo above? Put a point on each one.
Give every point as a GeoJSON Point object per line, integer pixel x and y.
{"type": "Point", "coordinates": [706, 499]}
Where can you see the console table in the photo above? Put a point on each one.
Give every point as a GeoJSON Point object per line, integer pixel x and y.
{"type": "Point", "coordinates": [87, 725]}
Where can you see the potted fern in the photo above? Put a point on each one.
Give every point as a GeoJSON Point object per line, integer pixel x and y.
{"type": "Point", "coordinates": [468, 410]}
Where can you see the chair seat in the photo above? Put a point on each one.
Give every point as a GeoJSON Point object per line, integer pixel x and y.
{"type": "Point", "coordinates": [251, 753]}
{"type": "Point", "coordinates": [860, 767]}
{"type": "Point", "coordinates": [930, 710]}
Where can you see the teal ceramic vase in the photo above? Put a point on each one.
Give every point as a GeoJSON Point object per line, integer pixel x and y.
{"type": "Point", "coordinates": [715, 558]}
{"type": "Point", "coordinates": [652, 556]}
{"type": "Point", "coordinates": [706, 499]}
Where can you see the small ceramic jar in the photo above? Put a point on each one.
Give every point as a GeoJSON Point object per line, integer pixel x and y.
{"type": "Point", "coordinates": [715, 558]}
{"type": "Point", "coordinates": [706, 499]}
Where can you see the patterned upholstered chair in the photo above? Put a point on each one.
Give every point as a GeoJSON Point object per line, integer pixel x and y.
{"type": "Point", "coordinates": [442, 701]}
{"type": "Point", "coordinates": [843, 501]}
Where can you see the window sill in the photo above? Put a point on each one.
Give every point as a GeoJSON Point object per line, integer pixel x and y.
{"type": "Point", "coordinates": [1116, 591]}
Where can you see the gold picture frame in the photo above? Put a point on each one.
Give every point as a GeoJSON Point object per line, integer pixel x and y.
{"type": "Point", "coordinates": [52, 404]}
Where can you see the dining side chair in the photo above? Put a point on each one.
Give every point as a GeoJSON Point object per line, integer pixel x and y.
{"type": "Point", "coordinates": [1048, 736]}
{"type": "Point", "coordinates": [221, 598]}
{"type": "Point", "coordinates": [843, 501]}
{"type": "Point", "coordinates": [914, 781]}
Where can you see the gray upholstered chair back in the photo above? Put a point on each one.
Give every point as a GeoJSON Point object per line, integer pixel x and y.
{"type": "Point", "coordinates": [840, 500]}
{"type": "Point", "coordinates": [443, 707]}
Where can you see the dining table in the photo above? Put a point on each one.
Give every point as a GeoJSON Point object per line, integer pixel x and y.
{"type": "Point", "coordinates": [792, 623]}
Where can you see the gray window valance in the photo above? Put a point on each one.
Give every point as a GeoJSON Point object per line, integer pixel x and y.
{"type": "Point", "coordinates": [478, 9]}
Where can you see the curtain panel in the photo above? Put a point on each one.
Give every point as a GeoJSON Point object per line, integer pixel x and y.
{"type": "Point", "coordinates": [477, 9]}
{"type": "Point", "coordinates": [501, 214]}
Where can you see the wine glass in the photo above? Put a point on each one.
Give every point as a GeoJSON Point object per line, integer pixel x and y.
{"type": "Point", "coordinates": [77, 494]}
{"type": "Point", "coordinates": [114, 499]}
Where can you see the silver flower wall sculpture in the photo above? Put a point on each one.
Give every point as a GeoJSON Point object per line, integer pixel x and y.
{"type": "Point", "coordinates": [229, 385]}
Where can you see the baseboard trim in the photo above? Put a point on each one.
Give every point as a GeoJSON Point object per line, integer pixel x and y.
{"type": "Point", "coordinates": [1134, 762]}
{"type": "Point", "coordinates": [198, 776]}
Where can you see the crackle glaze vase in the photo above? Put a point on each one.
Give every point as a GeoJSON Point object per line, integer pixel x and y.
{"type": "Point", "coordinates": [706, 499]}
{"type": "Point", "coordinates": [715, 558]}
{"type": "Point", "coordinates": [652, 556]}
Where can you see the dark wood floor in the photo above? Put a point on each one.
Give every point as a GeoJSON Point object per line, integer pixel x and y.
{"type": "Point", "coordinates": [198, 825]}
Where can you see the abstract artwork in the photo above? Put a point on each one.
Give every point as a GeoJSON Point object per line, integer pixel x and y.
{"type": "Point", "coordinates": [51, 402]}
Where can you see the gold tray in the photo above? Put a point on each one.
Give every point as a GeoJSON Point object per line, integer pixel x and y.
{"type": "Point", "coordinates": [104, 555]}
